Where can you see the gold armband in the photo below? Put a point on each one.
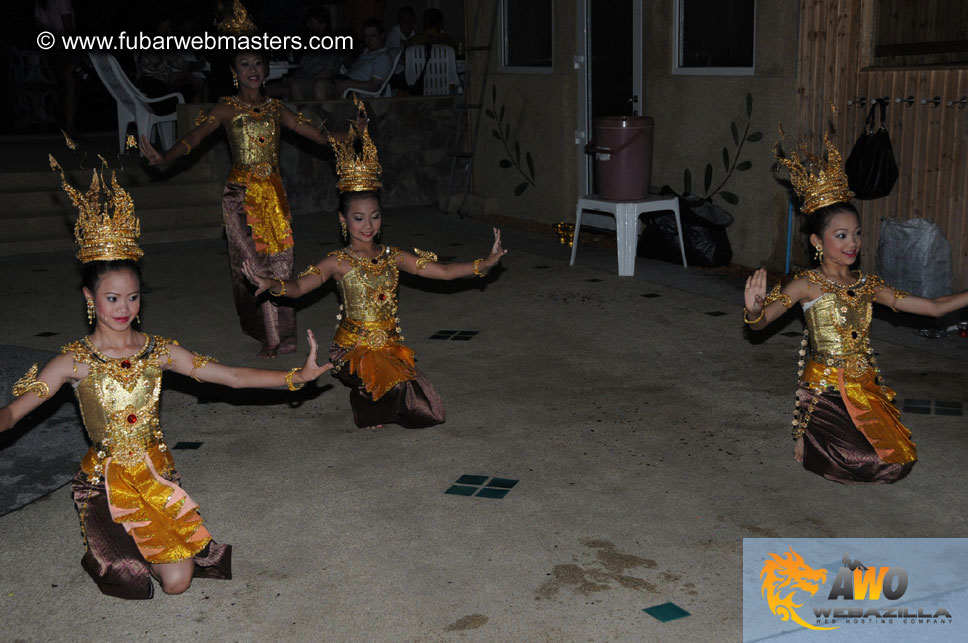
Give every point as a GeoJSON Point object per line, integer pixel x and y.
{"type": "Point", "coordinates": [289, 382]}
{"type": "Point", "coordinates": [202, 117]}
{"type": "Point", "coordinates": [477, 267]}
{"type": "Point", "coordinates": [282, 286]}
{"type": "Point", "coordinates": [188, 147]}
{"type": "Point", "coordinates": [29, 382]}
{"type": "Point", "coordinates": [424, 257]}
{"type": "Point", "coordinates": [198, 361]}
{"type": "Point", "coordinates": [746, 315]}
{"type": "Point", "coordinates": [776, 295]}
{"type": "Point", "coordinates": [313, 269]}
{"type": "Point", "coordinates": [898, 296]}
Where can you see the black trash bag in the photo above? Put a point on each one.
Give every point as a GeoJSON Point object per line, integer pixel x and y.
{"type": "Point", "coordinates": [871, 169]}
{"type": "Point", "coordinates": [703, 232]}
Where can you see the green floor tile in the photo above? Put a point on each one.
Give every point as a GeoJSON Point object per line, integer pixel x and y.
{"type": "Point", "coordinates": [469, 479]}
{"type": "Point", "coordinates": [502, 483]}
{"type": "Point", "coordinates": [666, 612]}
{"type": "Point", "coordinates": [460, 490]}
{"type": "Point", "coordinates": [487, 492]}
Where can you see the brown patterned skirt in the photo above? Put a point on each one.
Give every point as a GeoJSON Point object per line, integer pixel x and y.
{"type": "Point", "coordinates": [413, 404]}
{"type": "Point", "coordinates": [833, 446]}
{"type": "Point", "coordinates": [270, 320]}
{"type": "Point", "coordinates": [112, 558]}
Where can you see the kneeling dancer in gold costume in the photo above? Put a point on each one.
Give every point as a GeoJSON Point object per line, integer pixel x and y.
{"type": "Point", "coordinates": [136, 519]}
{"type": "Point", "coordinates": [845, 427]}
{"type": "Point", "coordinates": [368, 350]}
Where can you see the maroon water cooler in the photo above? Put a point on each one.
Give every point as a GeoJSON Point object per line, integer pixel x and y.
{"type": "Point", "coordinates": [623, 156]}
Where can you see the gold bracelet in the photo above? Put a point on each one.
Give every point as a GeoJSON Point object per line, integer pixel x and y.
{"type": "Point", "coordinates": [746, 314]}
{"type": "Point", "coordinates": [289, 383]}
{"type": "Point", "coordinates": [188, 147]}
{"type": "Point", "coordinates": [282, 289]}
{"type": "Point", "coordinates": [477, 267]}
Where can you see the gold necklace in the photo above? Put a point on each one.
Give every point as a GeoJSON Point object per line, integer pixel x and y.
{"type": "Point", "coordinates": [366, 260]}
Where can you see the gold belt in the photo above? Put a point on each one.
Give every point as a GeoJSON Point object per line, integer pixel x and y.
{"type": "Point", "coordinates": [372, 334]}
{"type": "Point", "coordinates": [854, 366]}
{"type": "Point", "coordinates": [259, 170]}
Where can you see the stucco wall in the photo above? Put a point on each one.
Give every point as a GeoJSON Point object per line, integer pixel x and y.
{"type": "Point", "coordinates": [541, 111]}
{"type": "Point", "coordinates": [692, 124]}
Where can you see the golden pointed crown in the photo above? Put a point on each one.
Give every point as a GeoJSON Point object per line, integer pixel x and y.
{"type": "Point", "coordinates": [357, 173]}
{"type": "Point", "coordinates": [108, 230]}
{"type": "Point", "coordinates": [818, 182]}
{"type": "Point", "coordinates": [238, 23]}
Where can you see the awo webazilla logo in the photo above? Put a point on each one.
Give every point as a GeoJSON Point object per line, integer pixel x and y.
{"type": "Point", "coordinates": [786, 576]}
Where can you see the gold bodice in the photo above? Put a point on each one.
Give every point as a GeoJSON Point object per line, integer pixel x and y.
{"type": "Point", "coordinates": [369, 288]}
{"type": "Point", "coordinates": [838, 323]}
{"type": "Point", "coordinates": [119, 399]}
{"type": "Point", "coordinates": [254, 134]}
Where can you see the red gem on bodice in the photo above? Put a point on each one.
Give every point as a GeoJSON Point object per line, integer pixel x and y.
{"type": "Point", "coordinates": [132, 418]}
{"type": "Point", "coordinates": [382, 296]}
{"type": "Point", "coordinates": [126, 364]}
{"type": "Point", "coordinates": [262, 139]}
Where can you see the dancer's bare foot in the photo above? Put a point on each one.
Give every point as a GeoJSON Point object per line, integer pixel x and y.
{"type": "Point", "coordinates": [374, 428]}
{"type": "Point", "coordinates": [287, 347]}
{"type": "Point", "coordinates": [268, 352]}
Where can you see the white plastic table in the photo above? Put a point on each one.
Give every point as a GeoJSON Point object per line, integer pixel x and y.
{"type": "Point", "coordinates": [627, 215]}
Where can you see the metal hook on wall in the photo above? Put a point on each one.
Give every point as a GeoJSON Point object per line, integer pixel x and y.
{"type": "Point", "coordinates": [881, 101]}
{"type": "Point", "coordinates": [935, 102]}
{"type": "Point", "coordinates": [909, 101]}
{"type": "Point", "coordinates": [960, 103]}
{"type": "Point", "coordinates": [860, 102]}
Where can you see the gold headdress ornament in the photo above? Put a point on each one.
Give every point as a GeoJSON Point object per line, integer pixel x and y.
{"type": "Point", "coordinates": [816, 181]}
{"type": "Point", "coordinates": [107, 231]}
{"type": "Point", "coordinates": [238, 23]}
{"type": "Point", "coordinates": [357, 173]}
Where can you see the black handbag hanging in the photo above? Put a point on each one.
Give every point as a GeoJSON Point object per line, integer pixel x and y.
{"type": "Point", "coordinates": [871, 170]}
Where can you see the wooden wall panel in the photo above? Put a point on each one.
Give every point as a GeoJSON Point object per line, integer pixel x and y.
{"type": "Point", "coordinates": [929, 142]}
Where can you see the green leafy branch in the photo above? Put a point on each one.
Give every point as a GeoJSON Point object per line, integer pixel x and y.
{"type": "Point", "coordinates": [502, 132]}
{"type": "Point", "coordinates": [731, 163]}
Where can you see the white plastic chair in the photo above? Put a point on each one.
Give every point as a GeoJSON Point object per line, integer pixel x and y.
{"type": "Point", "coordinates": [384, 89]}
{"type": "Point", "coordinates": [441, 69]}
{"type": "Point", "coordinates": [133, 106]}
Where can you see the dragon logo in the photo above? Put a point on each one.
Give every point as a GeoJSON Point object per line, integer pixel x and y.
{"type": "Point", "coordinates": [789, 572]}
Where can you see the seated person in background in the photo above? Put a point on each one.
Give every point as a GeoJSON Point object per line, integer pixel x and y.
{"type": "Point", "coordinates": [398, 38]}
{"type": "Point", "coordinates": [404, 30]}
{"type": "Point", "coordinates": [315, 65]}
{"type": "Point", "coordinates": [433, 30]}
{"type": "Point", "coordinates": [370, 69]}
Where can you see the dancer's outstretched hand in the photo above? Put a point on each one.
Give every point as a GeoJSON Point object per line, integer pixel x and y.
{"type": "Point", "coordinates": [755, 292]}
{"type": "Point", "coordinates": [311, 370]}
{"type": "Point", "coordinates": [497, 251]}
{"type": "Point", "coordinates": [150, 153]}
{"type": "Point", "coordinates": [261, 283]}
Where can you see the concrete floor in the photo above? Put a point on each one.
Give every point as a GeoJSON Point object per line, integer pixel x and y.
{"type": "Point", "coordinates": [648, 437]}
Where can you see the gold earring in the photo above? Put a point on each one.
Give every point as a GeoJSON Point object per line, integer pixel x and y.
{"type": "Point", "coordinates": [90, 311]}
{"type": "Point", "coordinates": [235, 81]}
{"type": "Point", "coordinates": [342, 230]}
{"type": "Point", "coordinates": [137, 318]}
{"type": "Point", "coordinates": [818, 255]}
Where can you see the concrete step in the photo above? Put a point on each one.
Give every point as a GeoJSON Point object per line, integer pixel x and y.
{"type": "Point", "coordinates": [53, 200]}
{"type": "Point", "coordinates": [21, 235]}
{"type": "Point", "coordinates": [132, 176]}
